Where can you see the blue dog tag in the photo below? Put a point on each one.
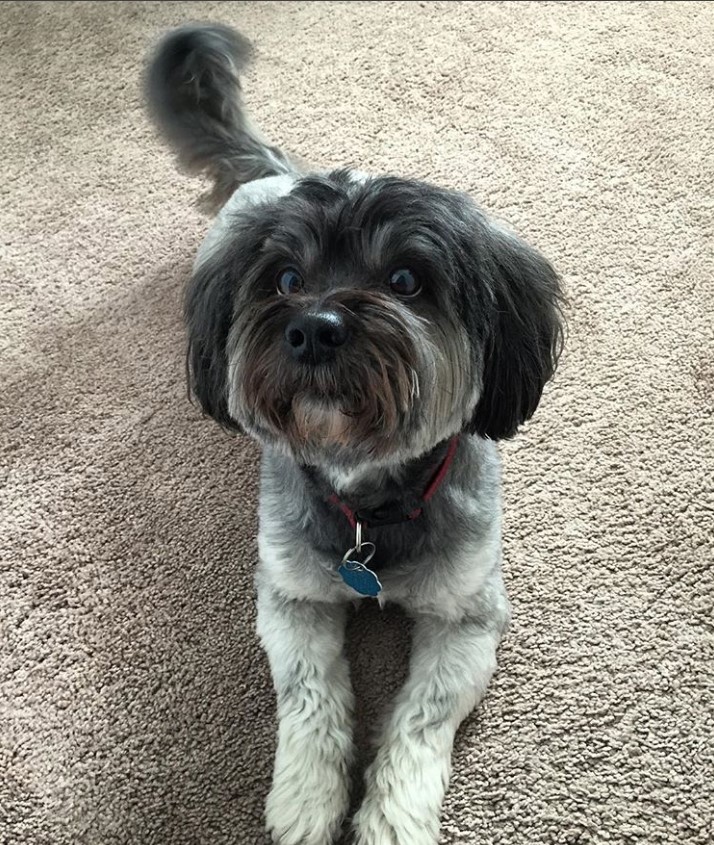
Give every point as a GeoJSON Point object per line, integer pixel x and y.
{"type": "Point", "coordinates": [358, 575]}
{"type": "Point", "coordinates": [360, 578]}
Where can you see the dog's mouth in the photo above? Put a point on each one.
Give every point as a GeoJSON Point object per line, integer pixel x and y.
{"type": "Point", "coordinates": [308, 418]}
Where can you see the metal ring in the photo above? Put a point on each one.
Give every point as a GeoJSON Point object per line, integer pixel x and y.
{"type": "Point", "coordinates": [358, 536]}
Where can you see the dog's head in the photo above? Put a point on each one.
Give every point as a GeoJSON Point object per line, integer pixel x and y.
{"type": "Point", "coordinates": [354, 320]}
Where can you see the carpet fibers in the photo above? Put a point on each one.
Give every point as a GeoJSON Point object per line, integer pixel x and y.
{"type": "Point", "coordinates": [135, 703]}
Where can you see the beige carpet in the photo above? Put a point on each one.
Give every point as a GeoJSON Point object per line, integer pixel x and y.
{"type": "Point", "coordinates": [135, 704]}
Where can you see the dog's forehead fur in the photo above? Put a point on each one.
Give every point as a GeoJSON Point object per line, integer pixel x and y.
{"type": "Point", "coordinates": [373, 219]}
{"type": "Point", "coordinates": [345, 228]}
{"type": "Point", "coordinates": [346, 233]}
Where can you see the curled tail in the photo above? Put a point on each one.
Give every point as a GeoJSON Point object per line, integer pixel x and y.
{"type": "Point", "coordinates": [194, 96]}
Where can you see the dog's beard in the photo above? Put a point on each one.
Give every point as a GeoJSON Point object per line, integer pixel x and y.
{"type": "Point", "coordinates": [321, 424]}
{"type": "Point", "coordinates": [363, 402]}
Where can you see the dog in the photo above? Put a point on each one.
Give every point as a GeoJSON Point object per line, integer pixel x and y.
{"type": "Point", "coordinates": [376, 335]}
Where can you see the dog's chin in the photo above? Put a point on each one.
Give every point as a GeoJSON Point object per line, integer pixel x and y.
{"type": "Point", "coordinates": [320, 425]}
{"type": "Point", "coordinates": [319, 431]}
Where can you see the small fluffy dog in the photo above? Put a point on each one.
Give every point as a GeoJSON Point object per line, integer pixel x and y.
{"type": "Point", "coordinates": [376, 335]}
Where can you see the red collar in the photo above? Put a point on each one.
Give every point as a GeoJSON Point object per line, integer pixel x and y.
{"type": "Point", "coordinates": [391, 515]}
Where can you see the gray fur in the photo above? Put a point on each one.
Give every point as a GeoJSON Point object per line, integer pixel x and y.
{"type": "Point", "coordinates": [194, 95]}
{"type": "Point", "coordinates": [467, 357]}
{"type": "Point", "coordinates": [294, 502]}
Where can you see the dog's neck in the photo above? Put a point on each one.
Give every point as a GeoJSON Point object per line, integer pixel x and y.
{"type": "Point", "coordinates": [373, 487]}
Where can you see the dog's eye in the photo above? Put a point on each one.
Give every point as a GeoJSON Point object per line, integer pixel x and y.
{"type": "Point", "coordinates": [404, 283]}
{"type": "Point", "coordinates": [290, 281]}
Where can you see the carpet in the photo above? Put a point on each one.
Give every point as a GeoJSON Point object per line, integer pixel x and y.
{"type": "Point", "coordinates": [135, 702]}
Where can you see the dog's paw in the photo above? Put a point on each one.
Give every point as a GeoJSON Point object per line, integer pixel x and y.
{"type": "Point", "coordinates": [306, 807]}
{"type": "Point", "coordinates": [382, 823]}
{"type": "Point", "coordinates": [400, 807]}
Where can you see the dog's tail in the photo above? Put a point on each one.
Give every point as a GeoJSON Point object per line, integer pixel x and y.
{"type": "Point", "coordinates": [194, 96]}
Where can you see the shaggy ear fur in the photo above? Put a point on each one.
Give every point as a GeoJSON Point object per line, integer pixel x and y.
{"type": "Point", "coordinates": [524, 335]}
{"type": "Point", "coordinates": [208, 311]}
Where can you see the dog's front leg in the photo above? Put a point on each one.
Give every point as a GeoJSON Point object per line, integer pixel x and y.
{"type": "Point", "coordinates": [304, 643]}
{"type": "Point", "coordinates": [451, 666]}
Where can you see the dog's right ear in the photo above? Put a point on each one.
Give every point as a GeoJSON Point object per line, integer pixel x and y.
{"type": "Point", "coordinates": [208, 313]}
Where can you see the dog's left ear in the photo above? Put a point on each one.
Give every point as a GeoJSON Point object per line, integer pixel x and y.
{"type": "Point", "coordinates": [208, 311]}
{"type": "Point", "coordinates": [524, 332]}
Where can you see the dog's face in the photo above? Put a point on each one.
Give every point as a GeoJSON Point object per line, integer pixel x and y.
{"type": "Point", "coordinates": [354, 320]}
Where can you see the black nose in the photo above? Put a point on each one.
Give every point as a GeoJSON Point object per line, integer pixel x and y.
{"type": "Point", "coordinates": [312, 338]}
